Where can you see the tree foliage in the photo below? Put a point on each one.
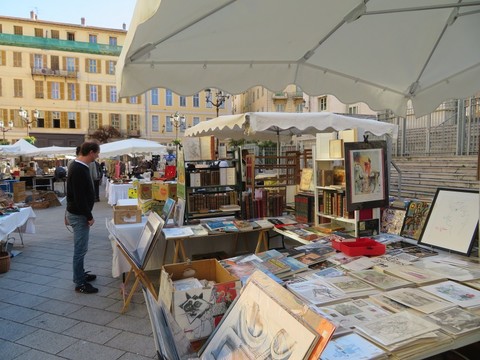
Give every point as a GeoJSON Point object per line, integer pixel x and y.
{"type": "Point", "coordinates": [105, 133]}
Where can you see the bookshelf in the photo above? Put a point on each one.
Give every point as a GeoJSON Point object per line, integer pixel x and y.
{"type": "Point", "coordinates": [330, 188]}
{"type": "Point", "coordinates": [212, 190]}
{"type": "Point", "coordinates": [267, 179]}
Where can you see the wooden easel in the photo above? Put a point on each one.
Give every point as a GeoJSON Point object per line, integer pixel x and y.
{"type": "Point", "coordinates": [140, 277]}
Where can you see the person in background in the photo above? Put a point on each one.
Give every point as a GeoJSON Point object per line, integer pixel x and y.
{"type": "Point", "coordinates": [244, 168]}
{"type": "Point", "coordinates": [96, 174]}
{"type": "Point", "coordinates": [70, 162]}
{"type": "Point", "coordinates": [80, 201]}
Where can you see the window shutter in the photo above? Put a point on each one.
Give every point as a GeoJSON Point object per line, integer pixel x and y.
{"type": "Point", "coordinates": [99, 66]}
{"type": "Point", "coordinates": [87, 68]}
{"type": "Point", "coordinates": [99, 90]}
{"type": "Point", "coordinates": [62, 91]}
{"type": "Point", "coordinates": [49, 89]}
{"type": "Point", "coordinates": [63, 120]}
{"type": "Point", "coordinates": [88, 92]}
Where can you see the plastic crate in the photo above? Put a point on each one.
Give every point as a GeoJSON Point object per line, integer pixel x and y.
{"type": "Point", "coordinates": [360, 247]}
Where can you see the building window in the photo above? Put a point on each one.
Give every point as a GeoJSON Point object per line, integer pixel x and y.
{"type": "Point", "coordinates": [38, 61]}
{"type": "Point", "coordinates": [55, 34]}
{"type": "Point", "coordinates": [115, 121]}
{"type": "Point", "coordinates": [40, 122]}
{"type": "Point", "coordinates": [71, 36]}
{"type": "Point", "coordinates": [111, 67]}
{"type": "Point", "coordinates": [112, 41]}
{"type": "Point", "coordinates": [352, 110]}
{"type": "Point", "coordinates": [196, 100]}
{"type": "Point", "coordinates": [93, 93]}
{"type": "Point", "coordinates": [72, 91]}
{"type": "Point", "coordinates": [154, 93]}
{"type": "Point", "coordinates": [56, 119]}
{"type": "Point", "coordinates": [55, 90]}
{"type": "Point", "coordinates": [17, 59]}
{"type": "Point", "coordinates": [39, 90]}
{"type": "Point", "coordinates": [70, 64]}
{"type": "Point", "coordinates": [72, 120]}
{"type": "Point", "coordinates": [17, 88]}
{"type": "Point", "coordinates": [196, 120]}
{"type": "Point", "coordinates": [208, 104]}
{"type": "Point", "coordinates": [168, 124]}
{"type": "Point", "coordinates": [299, 108]}
{"type": "Point", "coordinates": [112, 94]}
{"type": "Point", "coordinates": [322, 103]}
{"type": "Point", "coordinates": [92, 66]}
{"type": "Point", "coordinates": [155, 123]}
{"type": "Point", "coordinates": [38, 32]}
{"type": "Point", "coordinates": [183, 101]}
{"type": "Point", "coordinates": [54, 62]}
{"type": "Point", "coordinates": [17, 30]}
{"type": "Point", "coordinates": [92, 39]}
{"type": "Point", "coordinates": [133, 122]}
{"type": "Point", "coordinates": [93, 121]}
{"type": "Point", "coordinates": [280, 107]}
{"type": "Point", "coordinates": [168, 97]}
{"type": "Point", "coordinates": [133, 100]}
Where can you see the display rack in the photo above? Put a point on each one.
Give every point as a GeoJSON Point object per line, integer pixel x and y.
{"type": "Point", "coordinates": [267, 178]}
{"type": "Point", "coordinates": [330, 198]}
{"type": "Point", "coordinates": [212, 190]}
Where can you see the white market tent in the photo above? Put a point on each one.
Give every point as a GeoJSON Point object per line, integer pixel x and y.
{"type": "Point", "coordinates": [21, 148]}
{"type": "Point", "coordinates": [275, 125]}
{"type": "Point", "coordinates": [131, 146]}
{"type": "Point", "coordinates": [53, 151]}
{"type": "Point", "coordinates": [382, 52]}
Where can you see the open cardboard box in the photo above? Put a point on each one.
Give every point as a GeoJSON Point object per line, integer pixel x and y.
{"type": "Point", "coordinates": [198, 311]}
{"type": "Point", "coordinates": [126, 214]}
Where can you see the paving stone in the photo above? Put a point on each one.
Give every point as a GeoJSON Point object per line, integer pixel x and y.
{"type": "Point", "coordinates": [92, 332]}
{"type": "Point", "coordinates": [82, 350]}
{"type": "Point", "coordinates": [47, 341]}
{"type": "Point", "coordinates": [12, 331]}
{"type": "Point", "coordinates": [134, 343]}
{"type": "Point", "coordinates": [11, 350]}
{"type": "Point", "coordinates": [52, 322]}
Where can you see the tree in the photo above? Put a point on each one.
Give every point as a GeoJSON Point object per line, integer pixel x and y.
{"type": "Point", "coordinates": [30, 139]}
{"type": "Point", "coordinates": [105, 133]}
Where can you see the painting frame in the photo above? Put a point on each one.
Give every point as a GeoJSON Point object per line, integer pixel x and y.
{"type": "Point", "coordinates": [452, 223]}
{"type": "Point", "coordinates": [366, 175]}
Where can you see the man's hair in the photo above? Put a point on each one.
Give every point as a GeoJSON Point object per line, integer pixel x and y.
{"type": "Point", "coordinates": [77, 150]}
{"type": "Point", "coordinates": [89, 146]}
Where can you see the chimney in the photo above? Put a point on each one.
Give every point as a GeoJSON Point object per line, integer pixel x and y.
{"type": "Point", "coordinates": [33, 16]}
{"type": "Point", "coordinates": [82, 21]}
{"type": "Point", "coordinates": [124, 26]}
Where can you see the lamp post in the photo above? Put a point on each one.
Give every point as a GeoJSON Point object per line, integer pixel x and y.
{"type": "Point", "coordinates": [220, 98]}
{"type": "Point", "coordinates": [177, 121]}
{"type": "Point", "coordinates": [5, 129]}
{"type": "Point", "coordinates": [24, 115]}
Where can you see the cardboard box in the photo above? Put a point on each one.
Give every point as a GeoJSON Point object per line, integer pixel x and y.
{"type": "Point", "coordinates": [19, 191]}
{"type": "Point", "coordinates": [214, 301]}
{"type": "Point", "coordinates": [126, 215]}
{"type": "Point", "coordinates": [144, 191]}
{"type": "Point", "coordinates": [162, 191]}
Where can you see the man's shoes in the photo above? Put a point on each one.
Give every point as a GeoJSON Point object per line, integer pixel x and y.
{"type": "Point", "coordinates": [89, 277]}
{"type": "Point", "coordinates": [86, 289]}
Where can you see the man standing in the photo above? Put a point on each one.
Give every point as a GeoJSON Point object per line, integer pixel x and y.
{"type": "Point", "coordinates": [80, 201]}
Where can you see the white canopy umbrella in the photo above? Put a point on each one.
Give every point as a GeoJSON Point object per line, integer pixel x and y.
{"type": "Point", "coordinates": [21, 148]}
{"type": "Point", "coordinates": [131, 146]}
{"type": "Point", "coordinates": [273, 125]}
{"type": "Point", "coordinates": [382, 52]}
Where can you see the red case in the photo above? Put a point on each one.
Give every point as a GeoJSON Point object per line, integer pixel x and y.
{"type": "Point", "coordinates": [360, 247]}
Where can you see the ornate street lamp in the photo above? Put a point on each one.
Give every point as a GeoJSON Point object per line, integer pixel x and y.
{"type": "Point", "coordinates": [220, 98]}
{"type": "Point", "coordinates": [177, 121]}
{"type": "Point", "coordinates": [24, 115]}
{"type": "Point", "coordinates": [5, 129]}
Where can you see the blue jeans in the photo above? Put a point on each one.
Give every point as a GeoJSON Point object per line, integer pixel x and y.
{"type": "Point", "coordinates": [81, 232]}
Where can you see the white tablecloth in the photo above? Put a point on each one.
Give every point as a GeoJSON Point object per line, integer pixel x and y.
{"type": "Point", "coordinates": [129, 233]}
{"type": "Point", "coordinates": [114, 192]}
{"type": "Point", "coordinates": [24, 220]}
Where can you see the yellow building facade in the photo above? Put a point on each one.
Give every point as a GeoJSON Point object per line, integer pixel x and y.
{"type": "Point", "coordinates": [63, 77]}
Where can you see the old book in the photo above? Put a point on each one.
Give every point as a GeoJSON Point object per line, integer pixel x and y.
{"type": "Point", "coordinates": [336, 149]}
{"type": "Point", "coordinates": [350, 135]}
{"type": "Point", "coordinates": [339, 175]}
{"type": "Point", "coordinates": [324, 177]}
{"type": "Point", "coordinates": [461, 295]}
{"type": "Point", "coordinates": [306, 180]}
{"type": "Point", "coordinates": [418, 300]}
{"type": "Point", "coordinates": [322, 144]}
{"type": "Point", "coordinates": [352, 347]}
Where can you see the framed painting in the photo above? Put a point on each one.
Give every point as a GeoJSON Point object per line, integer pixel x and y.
{"type": "Point", "coordinates": [366, 175]}
{"type": "Point", "coordinates": [452, 223]}
{"type": "Point", "coordinates": [415, 217]}
{"type": "Point", "coordinates": [257, 326]}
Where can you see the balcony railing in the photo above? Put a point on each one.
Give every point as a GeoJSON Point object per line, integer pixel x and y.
{"type": "Point", "coordinates": [280, 95]}
{"type": "Point", "coordinates": [57, 73]}
{"type": "Point", "coordinates": [57, 44]}
{"type": "Point", "coordinates": [297, 95]}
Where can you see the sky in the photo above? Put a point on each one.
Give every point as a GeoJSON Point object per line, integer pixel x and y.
{"type": "Point", "coordinates": [101, 13]}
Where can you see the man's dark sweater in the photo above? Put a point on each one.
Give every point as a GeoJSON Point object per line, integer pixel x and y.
{"type": "Point", "coordinates": [80, 192]}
